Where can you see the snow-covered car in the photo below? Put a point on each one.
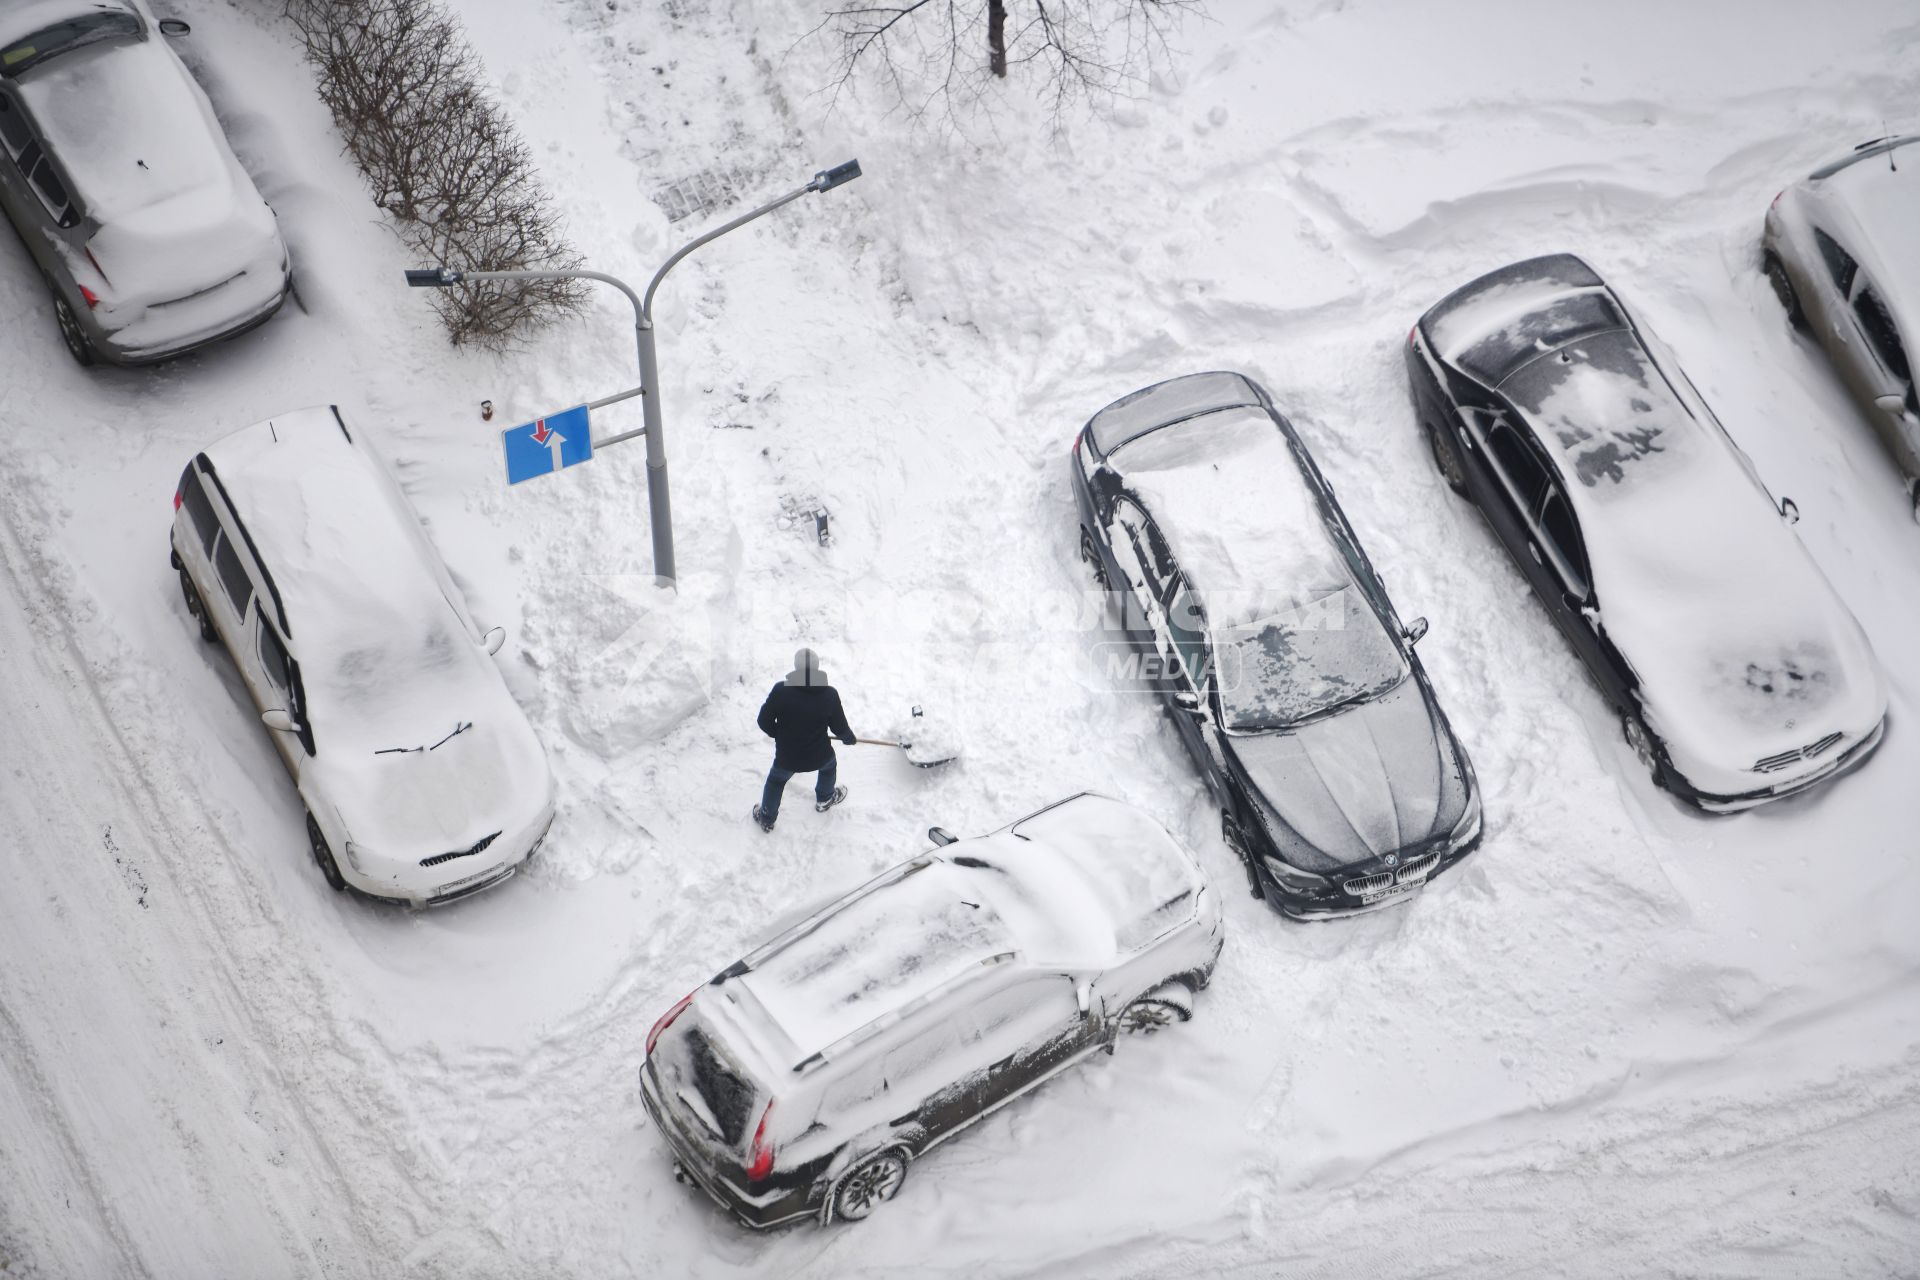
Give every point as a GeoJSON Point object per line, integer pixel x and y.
{"type": "Point", "coordinates": [1842, 248]}
{"type": "Point", "coordinates": [150, 236]}
{"type": "Point", "coordinates": [1738, 674]}
{"type": "Point", "coordinates": [1259, 621]}
{"type": "Point", "coordinates": [804, 1080]}
{"type": "Point", "coordinates": [297, 550]}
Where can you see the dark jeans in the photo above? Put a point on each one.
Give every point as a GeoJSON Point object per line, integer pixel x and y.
{"type": "Point", "coordinates": [777, 784]}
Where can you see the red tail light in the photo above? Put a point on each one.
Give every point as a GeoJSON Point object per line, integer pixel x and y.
{"type": "Point", "coordinates": [176, 498]}
{"type": "Point", "coordinates": [93, 299]}
{"type": "Point", "coordinates": [666, 1020]}
{"type": "Point", "coordinates": [96, 266]}
{"type": "Point", "coordinates": [1776, 199]}
{"type": "Point", "coordinates": [760, 1155]}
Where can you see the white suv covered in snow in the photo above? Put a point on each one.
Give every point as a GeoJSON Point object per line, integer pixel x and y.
{"type": "Point", "coordinates": [422, 779]}
{"type": "Point", "coordinates": [804, 1079]}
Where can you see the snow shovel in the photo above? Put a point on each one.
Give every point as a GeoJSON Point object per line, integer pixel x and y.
{"type": "Point", "coordinates": [925, 741]}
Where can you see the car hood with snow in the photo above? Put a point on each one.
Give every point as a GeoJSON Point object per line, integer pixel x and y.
{"type": "Point", "coordinates": [1751, 669]}
{"type": "Point", "coordinates": [1371, 781]}
{"type": "Point", "coordinates": [419, 745]}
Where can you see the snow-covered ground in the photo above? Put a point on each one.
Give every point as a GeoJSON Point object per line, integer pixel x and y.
{"type": "Point", "coordinates": [1624, 1039]}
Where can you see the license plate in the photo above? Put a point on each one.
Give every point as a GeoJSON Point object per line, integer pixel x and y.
{"type": "Point", "coordinates": [1381, 895]}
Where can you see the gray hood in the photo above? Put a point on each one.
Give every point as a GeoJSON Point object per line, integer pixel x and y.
{"type": "Point", "coordinates": [1365, 782]}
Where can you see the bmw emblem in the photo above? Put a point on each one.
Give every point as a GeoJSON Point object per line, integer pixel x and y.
{"type": "Point", "coordinates": [1392, 859]}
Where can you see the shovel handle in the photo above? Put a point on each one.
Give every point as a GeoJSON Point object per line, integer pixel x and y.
{"type": "Point", "coordinates": [877, 742]}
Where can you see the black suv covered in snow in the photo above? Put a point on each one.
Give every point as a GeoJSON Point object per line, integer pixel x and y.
{"type": "Point", "coordinates": [1256, 617]}
{"type": "Point", "coordinates": [1738, 674]}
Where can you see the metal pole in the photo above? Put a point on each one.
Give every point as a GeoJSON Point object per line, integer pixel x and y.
{"type": "Point", "coordinates": [658, 504]}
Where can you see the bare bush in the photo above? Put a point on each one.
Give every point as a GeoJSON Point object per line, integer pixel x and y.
{"type": "Point", "coordinates": [940, 56]}
{"type": "Point", "coordinates": [441, 156]}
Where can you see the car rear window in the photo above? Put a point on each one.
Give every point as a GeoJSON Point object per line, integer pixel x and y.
{"type": "Point", "coordinates": [721, 1087]}
{"type": "Point", "coordinates": [1167, 402]}
{"type": "Point", "coordinates": [60, 37]}
{"type": "Point", "coordinates": [1505, 351]}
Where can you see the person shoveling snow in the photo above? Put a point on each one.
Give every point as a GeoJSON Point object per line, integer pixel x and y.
{"type": "Point", "coordinates": [799, 715]}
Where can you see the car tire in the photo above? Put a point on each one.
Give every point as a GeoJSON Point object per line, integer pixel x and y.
{"type": "Point", "coordinates": [1090, 552]}
{"type": "Point", "coordinates": [324, 856]}
{"type": "Point", "coordinates": [1446, 458]}
{"type": "Point", "coordinates": [869, 1185]}
{"type": "Point", "coordinates": [1644, 745]}
{"type": "Point", "coordinates": [1783, 290]}
{"type": "Point", "coordinates": [1237, 841]}
{"type": "Point", "coordinates": [1160, 1008]}
{"type": "Point", "coordinates": [79, 346]}
{"type": "Point", "coordinates": [197, 607]}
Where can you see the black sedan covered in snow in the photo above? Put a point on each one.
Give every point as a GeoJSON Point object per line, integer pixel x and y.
{"type": "Point", "coordinates": [1738, 674]}
{"type": "Point", "coordinates": [1250, 609]}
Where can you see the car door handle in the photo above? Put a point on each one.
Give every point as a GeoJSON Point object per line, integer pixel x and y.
{"type": "Point", "coordinates": [1534, 547]}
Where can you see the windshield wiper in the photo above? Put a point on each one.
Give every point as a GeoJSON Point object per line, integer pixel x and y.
{"type": "Point", "coordinates": [459, 729]}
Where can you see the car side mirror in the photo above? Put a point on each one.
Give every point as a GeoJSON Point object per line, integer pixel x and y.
{"type": "Point", "coordinates": [494, 639]}
{"type": "Point", "coordinates": [1083, 996]}
{"type": "Point", "coordinates": [1187, 700]}
{"type": "Point", "coordinates": [1790, 511]}
{"type": "Point", "coordinates": [1416, 630]}
{"type": "Point", "coordinates": [941, 836]}
{"type": "Point", "coordinates": [1892, 404]}
{"type": "Point", "coordinates": [173, 27]}
{"type": "Point", "coordinates": [279, 721]}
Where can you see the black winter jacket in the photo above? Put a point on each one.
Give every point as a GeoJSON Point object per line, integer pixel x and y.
{"type": "Point", "coordinates": [798, 719]}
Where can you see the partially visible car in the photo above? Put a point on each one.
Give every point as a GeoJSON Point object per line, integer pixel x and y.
{"type": "Point", "coordinates": [804, 1080]}
{"type": "Point", "coordinates": [1738, 673]}
{"type": "Point", "coordinates": [1842, 249]}
{"type": "Point", "coordinates": [148, 233]}
{"type": "Point", "coordinates": [422, 780]}
{"type": "Point", "coordinates": [1269, 639]}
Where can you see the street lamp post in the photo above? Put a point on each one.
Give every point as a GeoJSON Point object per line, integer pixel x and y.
{"type": "Point", "coordinates": [659, 506]}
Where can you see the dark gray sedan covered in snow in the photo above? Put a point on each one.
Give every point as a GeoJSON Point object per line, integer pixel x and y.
{"type": "Point", "coordinates": [1249, 607]}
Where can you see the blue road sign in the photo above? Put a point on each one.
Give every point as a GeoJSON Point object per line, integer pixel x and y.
{"type": "Point", "coordinates": [547, 444]}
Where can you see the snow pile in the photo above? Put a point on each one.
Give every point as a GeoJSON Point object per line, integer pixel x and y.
{"type": "Point", "coordinates": [625, 670]}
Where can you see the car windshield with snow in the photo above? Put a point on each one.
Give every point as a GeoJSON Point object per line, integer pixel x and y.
{"type": "Point", "coordinates": [150, 236]}
{"type": "Point", "coordinates": [422, 779]}
{"type": "Point", "coordinates": [1250, 609]}
{"type": "Point", "coordinates": [1842, 249]}
{"type": "Point", "coordinates": [1738, 674]}
{"type": "Point", "coordinates": [804, 1080]}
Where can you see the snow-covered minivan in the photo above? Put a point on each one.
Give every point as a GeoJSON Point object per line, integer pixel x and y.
{"type": "Point", "coordinates": [803, 1080]}
{"type": "Point", "coordinates": [422, 779]}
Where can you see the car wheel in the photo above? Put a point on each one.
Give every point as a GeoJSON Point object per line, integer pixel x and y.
{"type": "Point", "coordinates": [197, 607]}
{"type": "Point", "coordinates": [1446, 458]}
{"type": "Point", "coordinates": [324, 856]}
{"type": "Point", "coordinates": [1154, 1012]}
{"type": "Point", "coordinates": [1090, 553]}
{"type": "Point", "coordinates": [1783, 290]}
{"type": "Point", "coordinates": [78, 344]}
{"type": "Point", "coordinates": [869, 1186]}
{"type": "Point", "coordinates": [1641, 739]}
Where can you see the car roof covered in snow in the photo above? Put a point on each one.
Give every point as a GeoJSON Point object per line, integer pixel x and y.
{"type": "Point", "coordinates": [367, 605]}
{"type": "Point", "coordinates": [1238, 512]}
{"type": "Point", "coordinates": [132, 130]}
{"type": "Point", "coordinates": [1880, 193]}
{"type": "Point", "coordinates": [1080, 884]}
{"type": "Point", "coordinates": [1739, 641]}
